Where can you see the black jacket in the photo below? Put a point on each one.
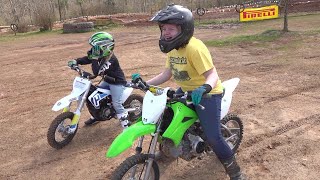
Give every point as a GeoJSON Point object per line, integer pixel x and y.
{"type": "Point", "coordinates": [110, 70]}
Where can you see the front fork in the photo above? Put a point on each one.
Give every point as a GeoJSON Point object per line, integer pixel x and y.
{"type": "Point", "coordinates": [152, 152]}
{"type": "Point", "coordinates": [139, 146]}
{"type": "Point", "coordinates": [77, 113]}
{"type": "Point", "coordinates": [138, 151]}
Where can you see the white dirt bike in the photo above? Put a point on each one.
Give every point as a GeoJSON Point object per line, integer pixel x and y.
{"type": "Point", "coordinates": [99, 103]}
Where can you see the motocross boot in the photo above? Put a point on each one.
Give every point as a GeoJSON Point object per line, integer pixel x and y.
{"type": "Point", "coordinates": [90, 121]}
{"type": "Point", "coordinates": [124, 121]}
{"type": "Point", "coordinates": [233, 169]}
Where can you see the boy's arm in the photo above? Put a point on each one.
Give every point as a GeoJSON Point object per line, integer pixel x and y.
{"type": "Point", "coordinates": [161, 78]}
{"type": "Point", "coordinates": [84, 60]}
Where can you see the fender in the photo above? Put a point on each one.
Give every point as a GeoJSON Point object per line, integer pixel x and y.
{"type": "Point", "coordinates": [229, 86]}
{"type": "Point", "coordinates": [64, 102]}
{"type": "Point", "coordinates": [125, 140]}
{"type": "Point", "coordinates": [80, 85]}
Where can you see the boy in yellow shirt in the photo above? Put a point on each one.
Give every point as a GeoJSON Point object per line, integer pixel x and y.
{"type": "Point", "coordinates": [190, 63]}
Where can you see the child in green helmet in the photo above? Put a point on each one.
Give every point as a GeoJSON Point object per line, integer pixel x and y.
{"type": "Point", "coordinates": [104, 63]}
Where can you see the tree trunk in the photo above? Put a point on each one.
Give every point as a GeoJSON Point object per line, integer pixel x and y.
{"type": "Point", "coordinates": [14, 12]}
{"type": "Point", "coordinates": [59, 8]}
{"type": "Point", "coordinates": [285, 24]}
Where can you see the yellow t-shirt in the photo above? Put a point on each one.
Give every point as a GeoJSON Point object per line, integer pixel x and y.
{"type": "Point", "coordinates": [188, 65]}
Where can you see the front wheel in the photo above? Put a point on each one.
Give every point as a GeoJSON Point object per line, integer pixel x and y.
{"type": "Point", "coordinates": [134, 167]}
{"type": "Point", "coordinates": [58, 135]}
{"type": "Point", "coordinates": [134, 106]}
{"type": "Point", "coordinates": [232, 130]}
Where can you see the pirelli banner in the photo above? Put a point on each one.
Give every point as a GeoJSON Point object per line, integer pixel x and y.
{"type": "Point", "coordinates": [253, 14]}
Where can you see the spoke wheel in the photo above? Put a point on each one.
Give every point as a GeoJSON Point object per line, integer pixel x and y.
{"type": "Point", "coordinates": [58, 135]}
{"type": "Point", "coordinates": [233, 131]}
{"type": "Point", "coordinates": [134, 167]}
{"type": "Point", "coordinates": [134, 101]}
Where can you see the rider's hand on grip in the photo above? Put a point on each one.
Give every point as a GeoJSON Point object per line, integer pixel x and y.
{"type": "Point", "coordinates": [72, 63]}
{"type": "Point", "coordinates": [197, 95]}
{"type": "Point", "coordinates": [135, 77]}
{"type": "Point", "coordinates": [143, 85]}
{"type": "Point", "coordinates": [86, 75]}
{"type": "Point", "coordinates": [140, 83]}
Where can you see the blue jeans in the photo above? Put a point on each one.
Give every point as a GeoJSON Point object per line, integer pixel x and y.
{"type": "Point", "coordinates": [210, 123]}
{"type": "Point", "coordinates": [116, 94]}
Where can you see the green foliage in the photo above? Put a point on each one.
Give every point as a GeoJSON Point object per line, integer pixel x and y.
{"type": "Point", "coordinates": [269, 35]}
{"type": "Point", "coordinates": [28, 35]}
{"type": "Point", "coordinates": [216, 21]}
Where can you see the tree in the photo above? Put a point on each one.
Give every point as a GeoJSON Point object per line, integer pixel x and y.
{"type": "Point", "coordinates": [285, 24]}
{"type": "Point", "coordinates": [62, 4]}
{"type": "Point", "coordinates": [80, 2]}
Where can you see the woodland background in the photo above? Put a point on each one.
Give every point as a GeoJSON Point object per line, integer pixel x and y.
{"type": "Point", "coordinates": [44, 13]}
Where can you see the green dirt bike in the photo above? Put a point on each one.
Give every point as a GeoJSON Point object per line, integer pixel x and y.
{"type": "Point", "coordinates": [172, 122]}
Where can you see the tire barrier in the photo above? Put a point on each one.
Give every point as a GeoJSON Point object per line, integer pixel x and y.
{"type": "Point", "coordinates": [14, 28]}
{"type": "Point", "coordinates": [201, 11]}
{"type": "Point", "coordinates": [78, 27]}
{"type": "Point", "coordinates": [240, 8]}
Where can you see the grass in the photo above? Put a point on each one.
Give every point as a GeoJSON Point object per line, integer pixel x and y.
{"type": "Point", "coordinates": [256, 31]}
{"type": "Point", "coordinates": [270, 30]}
{"type": "Point", "coordinates": [27, 35]}
{"type": "Point", "coordinates": [216, 21]}
{"type": "Point", "coordinates": [269, 35]}
{"type": "Point", "coordinates": [32, 34]}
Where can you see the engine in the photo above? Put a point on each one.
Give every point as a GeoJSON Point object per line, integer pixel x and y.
{"type": "Point", "coordinates": [107, 111]}
{"type": "Point", "coordinates": [190, 147]}
{"type": "Point", "coordinates": [104, 112]}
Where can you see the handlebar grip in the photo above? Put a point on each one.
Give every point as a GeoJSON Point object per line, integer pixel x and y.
{"type": "Point", "coordinates": [143, 86]}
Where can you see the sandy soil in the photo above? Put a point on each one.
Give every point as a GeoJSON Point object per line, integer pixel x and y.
{"type": "Point", "coordinates": [278, 100]}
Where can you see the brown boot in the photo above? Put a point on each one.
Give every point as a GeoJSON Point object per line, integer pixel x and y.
{"type": "Point", "coordinates": [233, 169]}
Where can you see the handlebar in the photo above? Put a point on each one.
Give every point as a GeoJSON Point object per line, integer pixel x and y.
{"type": "Point", "coordinates": [83, 73]}
{"type": "Point", "coordinates": [185, 98]}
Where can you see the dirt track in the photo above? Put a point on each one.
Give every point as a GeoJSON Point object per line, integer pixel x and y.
{"type": "Point", "coordinates": [278, 100]}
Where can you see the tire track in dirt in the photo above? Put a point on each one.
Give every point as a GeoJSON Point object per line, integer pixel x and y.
{"type": "Point", "coordinates": [314, 119]}
{"type": "Point", "coordinates": [142, 67]}
{"type": "Point", "coordinates": [63, 156]}
{"type": "Point", "coordinates": [33, 90]}
{"type": "Point", "coordinates": [298, 91]}
{"type": "Point", "coordinates": [271, 140]}
{"type": "Point", "coordinates": [19, 113]}
{"type": "Point", "coordinates": [8, 60]}
{"type": "Point", "coordinates": [138, 42]}
{"type": "Point", "coordinates": [294, 92]}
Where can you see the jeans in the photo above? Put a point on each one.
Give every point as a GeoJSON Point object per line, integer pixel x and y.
{"type": "Point", "coordinates": [116, 94]}
{"type": "Point", "coordinates": [210, 123]}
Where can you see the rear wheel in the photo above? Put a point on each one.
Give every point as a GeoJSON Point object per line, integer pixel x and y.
{"type": "Point", "coordinates": [134, 167]}
{"type": "Point", "coordinates": [232, 130]}
{"type": "Point", "coordinates": [134, 101]}
{"type": "Point", "coordinates": [58, 135]}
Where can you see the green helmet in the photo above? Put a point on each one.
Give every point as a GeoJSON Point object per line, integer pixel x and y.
{"type": "Point", "coordinates": [102, 44]}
